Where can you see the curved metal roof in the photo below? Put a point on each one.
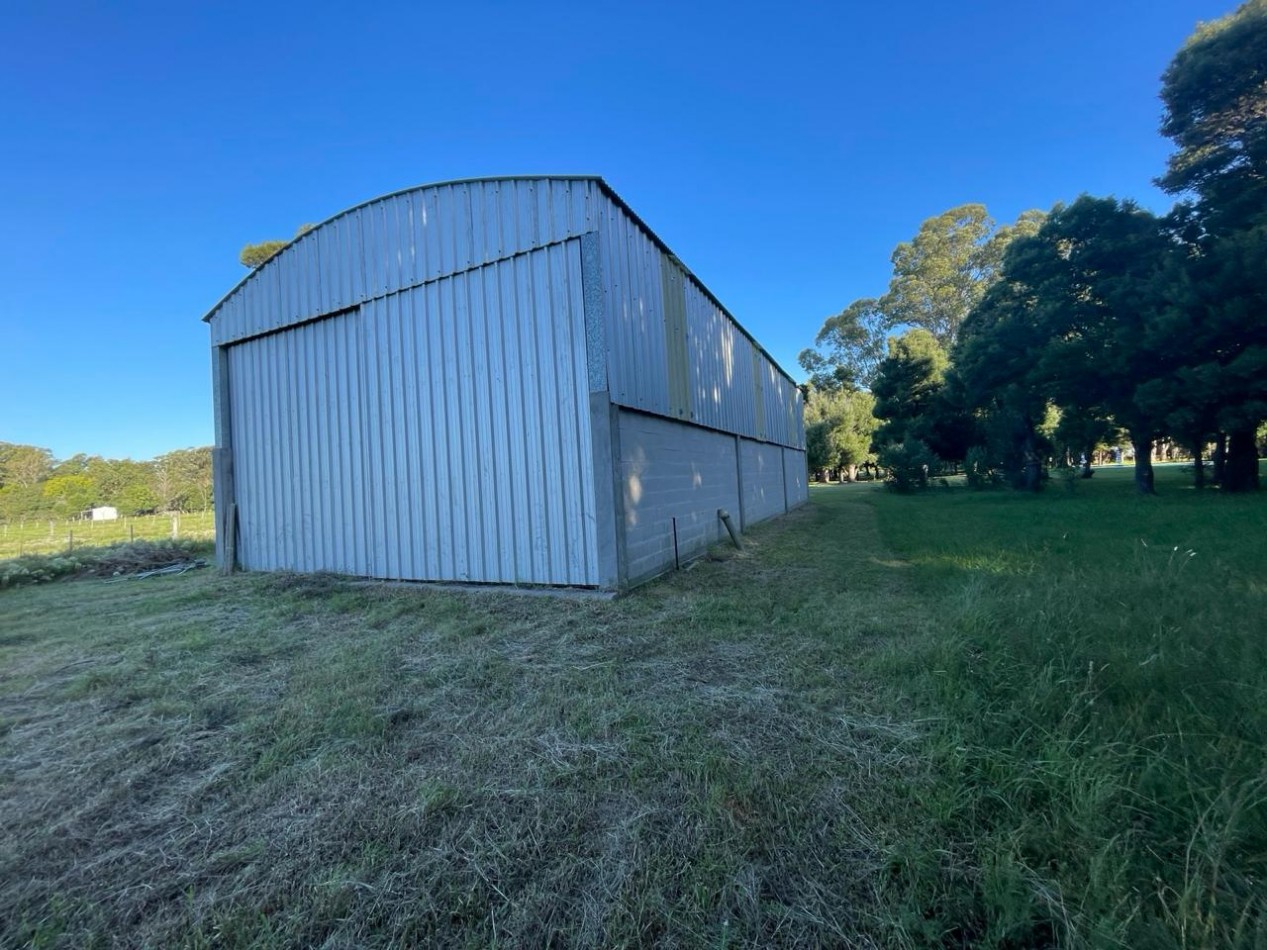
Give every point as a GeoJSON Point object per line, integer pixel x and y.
{"type": "Point", "coordinates": [596, 179]}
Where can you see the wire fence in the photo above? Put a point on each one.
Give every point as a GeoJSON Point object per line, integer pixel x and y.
{"type": "Point", "coordinates": [44, 536]}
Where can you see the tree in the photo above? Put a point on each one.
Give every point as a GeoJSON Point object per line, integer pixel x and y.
{"type": "Point", "coordinates": [850, 348]}
{"type": "Point", "coordinates": [994, 357]}
{"type": "Point", "coordinates": [1073, 315]}
{"type": "Point", "coordinates": [24, 465]}
{"type": "Point", "coordinates": [1215, 97]}
{"type": "Point", "coordinates": [182, 479]}
{"type": "Point", "coordinates": [839, 424]}
{"type": "Point", "coordinates": [906, 385]}
{"type": "Point", "coordinates": [943, 272]}
{"type": "Point", "coordinates": [1218, 343]}
{"type": "Point", "coordinates": [255, 255]}
{"type": "Point", "coordinates": [70, 494]}
{"type": "Point", "coordinates": [1110, 278]}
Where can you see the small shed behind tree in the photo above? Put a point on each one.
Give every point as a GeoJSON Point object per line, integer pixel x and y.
{"type": "Point", "coordinates": [508, 381]}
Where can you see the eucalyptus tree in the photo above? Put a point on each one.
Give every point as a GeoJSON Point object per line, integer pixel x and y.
{"type": "Point", "coordinates": [945, 270]}
{"type": "Point", "coordinates": [256, 255]}
{"type": "Point", "coordinates": [849, 348]}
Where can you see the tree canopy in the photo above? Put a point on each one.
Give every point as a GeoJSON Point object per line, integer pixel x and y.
{"type": "Point", "coordinates": [943, 272]}
{"type": "Point", "coordinates": [938, 276]}
{"type": "Point", "coordinates": [838, 428]}
{"type": "Point", "coordinates": [1215, 97]}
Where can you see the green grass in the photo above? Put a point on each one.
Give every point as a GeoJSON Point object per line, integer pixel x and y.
{"type": "Point", "coordinates": [1100, 679]}
{"type": "Point", "coordinates": [45, 536]}
{"type": "Point", "coordinates": [954, 719]}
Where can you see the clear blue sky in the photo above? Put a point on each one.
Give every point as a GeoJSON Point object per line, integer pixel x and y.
{"type": "Point", "coordinates": [781, 150]}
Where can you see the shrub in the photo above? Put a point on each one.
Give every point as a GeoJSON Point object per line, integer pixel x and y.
{"type": "Point", "coordinates": [908, 464]}
{"type": "Point", "coordinates": [978, 468]}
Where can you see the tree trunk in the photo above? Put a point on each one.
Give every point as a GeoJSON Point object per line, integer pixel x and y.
{"type": "Point", "coordinates": [1219, 459]}
{"type": "Point", "coordinates": [1144, 466]}
{"type": "Point", "coordinates": [1198, 466]}
{"type": "Point", "coordinates": [1240, 470]}
{"type": "Point", "coordinates": [1033, 473]}
{"type": "Point", "coordinates": [853, 473]}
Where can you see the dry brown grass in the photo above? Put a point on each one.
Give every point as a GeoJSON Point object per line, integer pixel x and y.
{"type": "Point", "coordinates": [258, 761]}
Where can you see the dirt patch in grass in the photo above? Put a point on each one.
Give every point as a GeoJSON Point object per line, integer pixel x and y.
{"type": "Point", "coordinates": [285, 760]}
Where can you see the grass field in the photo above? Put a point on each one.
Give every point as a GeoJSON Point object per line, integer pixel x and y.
{"type": "Point", "coordinates": [47, 537]}
{"type": "Point", "coordinates": [955, 719]}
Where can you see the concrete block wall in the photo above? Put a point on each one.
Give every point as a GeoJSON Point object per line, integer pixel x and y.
{"type": "Point", "coordinates": [762, 481]}
{"type": "Point", "coordinates": [672, 470]}
{"type": "Point", "coordinates": [795, 477]}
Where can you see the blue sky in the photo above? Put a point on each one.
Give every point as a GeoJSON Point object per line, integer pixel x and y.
{"type": "Point", "coordinates": [781, 150]}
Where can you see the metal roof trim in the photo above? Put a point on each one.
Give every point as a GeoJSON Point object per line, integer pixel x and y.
{"type": "Point", "coordinates": [607, 189]}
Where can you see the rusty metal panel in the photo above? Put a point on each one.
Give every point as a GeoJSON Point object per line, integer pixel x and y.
{"type": "Point", "coordinates": [653, 303]}
{"type": "Point", "coordinates": [759, 371]}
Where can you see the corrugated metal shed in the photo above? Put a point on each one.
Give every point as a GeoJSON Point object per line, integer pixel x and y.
{"type": "Point", "coordinates": [433, 385]}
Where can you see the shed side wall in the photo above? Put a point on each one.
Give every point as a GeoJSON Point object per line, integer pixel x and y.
{"type": "Point", "coordinates": [730, 384]}
{"type": "Point", "coordinates": [795, 477]}
{"type": "Point", "coordinates": [676, 476]}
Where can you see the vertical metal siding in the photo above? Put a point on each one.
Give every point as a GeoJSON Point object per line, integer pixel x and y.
{"type": "Point", "coordinates": [637, 366]}
{"type": "Point", "coordinates": [401, 241]}
{"type": "Point", "coordinates": [298, 448]}
{"type": "Point", "coordinates": [677, 343]}
{"type": "Point", "coordinates": [440, 433]}
{"type": "Point", "coordinates": [721, 367]}
{"type": "Point", "coordinates": [733, 385]}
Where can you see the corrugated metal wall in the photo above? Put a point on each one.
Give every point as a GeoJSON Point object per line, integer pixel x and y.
{"type": "Point", "coordinates": [401, 241]}
{"type": "Point", "coordinates": [409, 387]}
{"type": "Point", "coordinates": [441, 433]}
{"type": "Point", "coordinates": [299, 452]}
{"type": "Point", "coordinates": [643, 286]}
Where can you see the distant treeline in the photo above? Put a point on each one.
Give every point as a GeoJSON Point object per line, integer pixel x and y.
{"type": "Point", "coordinates": [35, 485]}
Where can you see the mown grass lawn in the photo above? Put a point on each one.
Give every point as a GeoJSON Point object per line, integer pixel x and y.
{"type": "Point", "coordinates": [942, 720]}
